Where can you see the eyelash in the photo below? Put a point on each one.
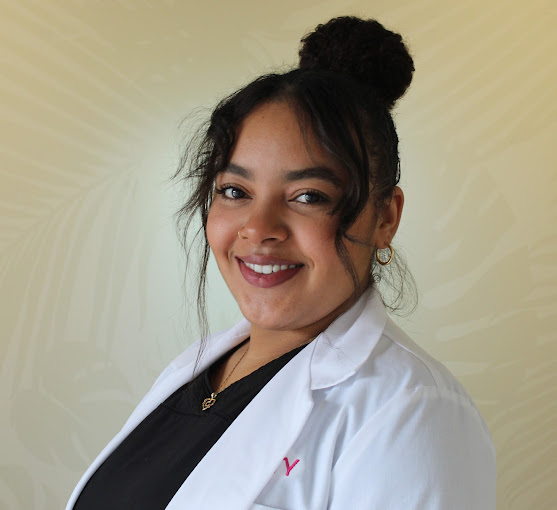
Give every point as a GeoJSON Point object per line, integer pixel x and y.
{"type": "Point", "coordinates": [222, 190]}
{"type": "Point", "coordinates": [321, 198]}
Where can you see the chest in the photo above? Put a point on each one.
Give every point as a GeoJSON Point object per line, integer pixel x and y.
{"type": "Point", "coordinates": [302, 477]}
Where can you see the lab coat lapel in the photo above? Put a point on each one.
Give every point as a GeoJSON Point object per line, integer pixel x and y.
{"type": "Point", "coordinates": [348, 342]}
{"type": "Point", "coordinates": [239, 465]}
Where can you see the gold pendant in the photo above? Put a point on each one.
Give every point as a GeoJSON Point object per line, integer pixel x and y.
{"type": "Point", "coordinates": [208, 402]}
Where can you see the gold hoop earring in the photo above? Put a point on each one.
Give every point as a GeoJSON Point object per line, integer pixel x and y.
{"type": "Point", "coordinates": [391, 255]}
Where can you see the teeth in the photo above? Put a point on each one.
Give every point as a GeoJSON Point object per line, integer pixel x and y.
{"type": "Point", "coordinates": [269, 268]}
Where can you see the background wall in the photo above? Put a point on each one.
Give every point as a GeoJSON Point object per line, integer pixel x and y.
{"type": "Point", "coordinates": [92, 95]}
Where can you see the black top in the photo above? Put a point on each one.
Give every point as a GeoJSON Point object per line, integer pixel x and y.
{"type": "Point", "coordinates": [149, 466]}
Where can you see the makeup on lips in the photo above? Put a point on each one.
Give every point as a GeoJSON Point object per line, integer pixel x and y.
{"type": "Point", "coordinates": [264, 272]}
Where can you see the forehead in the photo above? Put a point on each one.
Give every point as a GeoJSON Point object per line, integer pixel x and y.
{"type": "Point", "coordinates": [273, 139]}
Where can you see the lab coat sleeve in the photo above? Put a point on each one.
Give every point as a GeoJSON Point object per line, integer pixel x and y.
{"type": "Point", "coordinates": [426, 449]}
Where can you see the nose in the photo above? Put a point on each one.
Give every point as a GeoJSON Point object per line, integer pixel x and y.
{"type": "Point", "coordinates": [264, 225]}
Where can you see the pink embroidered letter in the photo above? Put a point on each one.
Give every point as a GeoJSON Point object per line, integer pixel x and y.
{"type": "Point", "coordinates": [288, 466]}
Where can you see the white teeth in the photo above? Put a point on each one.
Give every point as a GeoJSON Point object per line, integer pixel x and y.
{"type": "Point", "coordinates": [268, 269]}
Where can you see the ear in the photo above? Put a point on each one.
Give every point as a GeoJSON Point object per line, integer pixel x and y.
{"type": "Point", "coordinates": [389, 219]}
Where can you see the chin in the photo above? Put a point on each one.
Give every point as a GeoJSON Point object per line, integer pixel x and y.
{"type": "Point", "coordinates": [266, 320]}
{"type": "Point", "coordinates": [268, 317]}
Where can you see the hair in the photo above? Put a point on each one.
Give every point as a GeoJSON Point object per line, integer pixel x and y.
{"type": "Point", "coordinates": [351, 73]}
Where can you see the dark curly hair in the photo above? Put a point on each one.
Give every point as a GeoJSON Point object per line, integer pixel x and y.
{"type": "Point", "coordinates": [351, 73]}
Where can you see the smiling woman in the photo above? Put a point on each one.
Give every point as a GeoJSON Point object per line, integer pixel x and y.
{"type": "Point", "coordinates": [316, 399]}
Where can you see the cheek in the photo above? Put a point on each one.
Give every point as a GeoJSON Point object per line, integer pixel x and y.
{"type": "Point", "coordinates": [210, 228]}
{"type": "Point", "coordinates": [321, 240]}
{"type": "Point", "coordinates": [219, 230]}
{"type": "Point", "coordinates": [325, 231]}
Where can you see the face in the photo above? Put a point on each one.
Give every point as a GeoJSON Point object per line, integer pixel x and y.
{"type": "Point", "coordinates": [271, 231]}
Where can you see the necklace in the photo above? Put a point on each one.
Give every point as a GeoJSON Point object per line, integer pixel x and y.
{"type": "Point", "coordinates": [209, 401]}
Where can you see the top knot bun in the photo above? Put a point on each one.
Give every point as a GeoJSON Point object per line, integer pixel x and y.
{"type": "Point", "coordinates": [363, 49]}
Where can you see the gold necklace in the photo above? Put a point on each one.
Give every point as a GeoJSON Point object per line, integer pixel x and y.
{"type": "Point", "coordinates": [209, 401]}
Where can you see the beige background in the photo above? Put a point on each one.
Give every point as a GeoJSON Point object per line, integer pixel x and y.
{"type": "Point", "coordinates": [92, 94]}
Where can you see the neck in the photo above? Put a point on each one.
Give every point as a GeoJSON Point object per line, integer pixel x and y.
{"type": "Point", "coordinates": [270, 344]}
{"type": "Point", "coordinates": [267, 344]}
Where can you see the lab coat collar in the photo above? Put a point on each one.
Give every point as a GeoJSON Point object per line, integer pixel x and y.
{"type": "Point", "coordinates": [346, 344]}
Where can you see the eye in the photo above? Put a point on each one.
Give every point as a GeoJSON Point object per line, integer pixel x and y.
{"type": "Point", "coordinates": [311, 197]}
{"type": "Point", "coordinates": [231, 192]}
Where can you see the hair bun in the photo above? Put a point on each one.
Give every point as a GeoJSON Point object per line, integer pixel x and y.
{"type": "Point", "coordinates": [363, 49]}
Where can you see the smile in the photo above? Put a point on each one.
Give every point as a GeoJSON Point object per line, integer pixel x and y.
{"type": "Point", "coordinates": [269, 268]}
{"type": "Point", "coordinates": [266, 276]}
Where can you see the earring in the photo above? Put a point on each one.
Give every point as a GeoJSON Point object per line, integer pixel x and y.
{"type": "Point", "coordinates": [385, 262]}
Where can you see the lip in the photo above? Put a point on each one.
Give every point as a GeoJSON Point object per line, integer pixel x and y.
{"type": "Point", "coordinates": [265, 281]}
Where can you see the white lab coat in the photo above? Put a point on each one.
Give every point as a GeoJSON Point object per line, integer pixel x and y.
{"type": "Point", "coordinates": [361, 418]}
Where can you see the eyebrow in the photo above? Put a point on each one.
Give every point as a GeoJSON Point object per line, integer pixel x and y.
{"type": "Point", "coordinates": [315, 172]}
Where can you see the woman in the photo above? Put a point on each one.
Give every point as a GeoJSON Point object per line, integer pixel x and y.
{"type": "Point", "coordinates": [316, 399]}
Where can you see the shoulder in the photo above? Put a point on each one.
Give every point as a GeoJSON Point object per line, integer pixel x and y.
{"type": "Point", "coordinates": [409, 425]}
{"type": "Point", "coordinates": [364, 363]}
{"type": "Point", "coordinates": [400, 377]}
{"type": "Point", "coordinates": [397, 357]}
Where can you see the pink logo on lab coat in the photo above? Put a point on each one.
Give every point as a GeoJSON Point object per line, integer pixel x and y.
{"type": "Point", "coordinates": [288, 466]}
